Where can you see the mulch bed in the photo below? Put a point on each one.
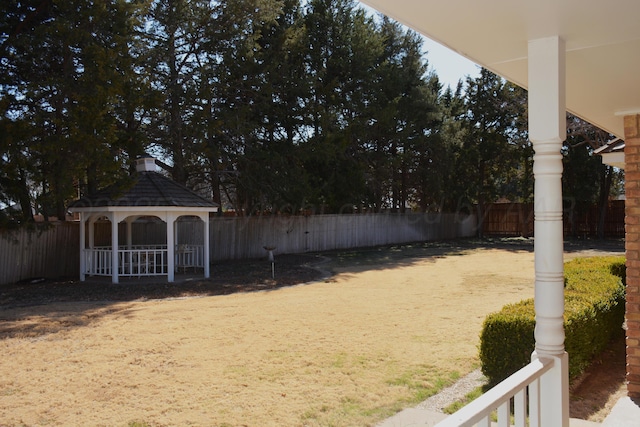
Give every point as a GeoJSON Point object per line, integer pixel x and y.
{"type": "Point", "coordinates": [226, 278]}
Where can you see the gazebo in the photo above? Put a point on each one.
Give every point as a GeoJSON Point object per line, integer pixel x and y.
{"type": "Point", "coordinates": [150, 195]}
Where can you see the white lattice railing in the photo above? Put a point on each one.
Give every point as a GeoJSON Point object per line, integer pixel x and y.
{"type": "Point", "coordinates": [131, 262]}
{"type": "Point", "coordinates": [98, 261]}
{"type": "Point", "coordinates": [522, 389]}
{"type": "Point", "coordinates": [139, 260]}
{"type": "Point", "coordinates": [188, 256]}
{"type": "Point", "coordinates": [142, 262]}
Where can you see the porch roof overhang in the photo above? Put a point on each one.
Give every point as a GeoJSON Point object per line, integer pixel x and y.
{"type": "Point", "coordinates": [602, 40]}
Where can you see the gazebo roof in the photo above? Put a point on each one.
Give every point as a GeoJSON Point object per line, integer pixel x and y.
{"type": "Point", "coordinates": [149, 189]}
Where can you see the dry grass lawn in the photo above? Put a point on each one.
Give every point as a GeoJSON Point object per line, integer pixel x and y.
{"type": "Point", "coordinates": [344, 352]}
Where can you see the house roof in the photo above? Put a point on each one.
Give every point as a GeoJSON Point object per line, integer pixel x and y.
{"type": "Point", "coordinates": [612, 153]}
{"type": "Point", "coordinates": [602, 40]}
{"type": "Point", "coordinates": [149, 189]}
{"type": "Point", "coordinates": [613, 146]}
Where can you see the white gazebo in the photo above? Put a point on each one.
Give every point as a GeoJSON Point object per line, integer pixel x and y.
{"type": "Point", "coordinates": [150, 195]}
{"type": "Point", "coordinates": [581, 56]}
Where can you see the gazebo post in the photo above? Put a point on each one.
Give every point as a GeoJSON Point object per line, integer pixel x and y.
{"type": "Point", "coordinates": [171, 217]}
{"type": "Point", "coordinates": [176, 232]}
{"type": "Point", "coordinates": [547, 130]}
{"type": "Point", "coordinates": [91, 220]}
{"type": "Point", "coordinates": [207, 272]}
{"type": "Point", "coordinates": [113, 216]}
{"type": "Point", "coordinates": [129, 222]}
{"type": "Point", "coordinates": [83, 258]}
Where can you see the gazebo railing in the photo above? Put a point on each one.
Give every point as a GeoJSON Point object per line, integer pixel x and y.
{"type": "Point", "coordinates": [141, 260]}
{"type": "Point", "coordinates": [189, 256]}
{"type": "Point", "coordinates": [98, 261]}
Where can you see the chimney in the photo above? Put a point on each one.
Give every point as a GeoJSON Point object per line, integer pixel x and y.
{"type": "Point", "coordinates": [146, 164]}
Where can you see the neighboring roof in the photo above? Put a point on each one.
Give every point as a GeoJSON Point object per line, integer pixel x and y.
{"type": "Point", "coordinates": [612, 153]}
{"type": "Point", "coordinates": [613, 146]}
{"type": "Point", "coordinates": [148, 189]}
{"type": "Point", "coordinates": [602, 40]}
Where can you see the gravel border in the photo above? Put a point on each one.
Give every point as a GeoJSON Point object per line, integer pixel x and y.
{"type": "Point", "coordinates": [454, 392]}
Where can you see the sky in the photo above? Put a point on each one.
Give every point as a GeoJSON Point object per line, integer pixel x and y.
{"type": "Point", "coordinates": [448, 65]}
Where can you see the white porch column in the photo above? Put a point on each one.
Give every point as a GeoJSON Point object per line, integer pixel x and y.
{"type": "Point", "coordinates": [207, 272]}
{"type": "Point", "coordinates": [171, 218]}
{"type": "Point", "coordinates": [547, 130]}
{"type": "Point", "coordinates": [83, 258]}
{"type": "Point", "coordinates": [114, 247]}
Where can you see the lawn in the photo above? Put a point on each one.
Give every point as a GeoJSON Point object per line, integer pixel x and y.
{"type": "Point", "coordinates": [384, 332]}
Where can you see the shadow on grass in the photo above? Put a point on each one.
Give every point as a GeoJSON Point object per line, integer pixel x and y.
{"type": "Point", "coordinates": [35, 308]}
{"type": "Point", "coordinates": [392, 256]}
{"type": "Point", "coordinates": [25, 304]}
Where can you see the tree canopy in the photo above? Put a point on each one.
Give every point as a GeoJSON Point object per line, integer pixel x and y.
{"type": "Point", "coordinates": [261, 105]}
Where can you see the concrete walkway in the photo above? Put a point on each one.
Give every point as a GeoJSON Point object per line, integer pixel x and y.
{"type": "Point", "coordinates": [625, 413]}
{"type": "Point", "coordinates": [414, 417]}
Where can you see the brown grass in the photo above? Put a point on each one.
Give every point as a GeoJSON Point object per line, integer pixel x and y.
{"type": "Point", "coordinates": [345, 352]}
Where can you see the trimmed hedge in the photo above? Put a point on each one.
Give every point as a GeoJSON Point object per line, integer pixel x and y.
{"type": "Point", "coordinates": [594, 313]}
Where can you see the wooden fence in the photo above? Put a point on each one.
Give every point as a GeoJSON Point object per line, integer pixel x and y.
{"type": "Point", "coordinates": [55, 252]}
{"type": "Point", "coordinates": [516, 219]}
{"type": "Point", "coordinates": [52, 250]}
{"type": "Point", "coordinates": [237, 238]}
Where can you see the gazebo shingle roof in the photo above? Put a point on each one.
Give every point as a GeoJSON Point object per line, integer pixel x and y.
{"type": "Point", "coordinates": [148, 189]}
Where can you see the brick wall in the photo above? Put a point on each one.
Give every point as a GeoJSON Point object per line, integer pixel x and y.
{"type": "Point", "coordinates": [632, 244]}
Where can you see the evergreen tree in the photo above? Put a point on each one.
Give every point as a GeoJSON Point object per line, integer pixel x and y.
{"type": "Point", "coordinates": [62, 68]}
{"type": "Point", "coordinates": [338, 62]}
{"type": "Point", "coordinates": [487, 151]}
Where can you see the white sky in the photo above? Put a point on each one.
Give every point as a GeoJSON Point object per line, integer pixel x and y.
{"type": "Point", "coordinates": [448, 65]}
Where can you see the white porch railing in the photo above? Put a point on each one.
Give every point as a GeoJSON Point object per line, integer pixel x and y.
{"type": "Point", "coordinates": [141, 260]}
{"type": "Point", "coordinates": [520, 388]}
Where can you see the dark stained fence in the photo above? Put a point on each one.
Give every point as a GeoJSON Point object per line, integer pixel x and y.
{"type": "Point", "coordinates": [508, 219]}
{"type": "Point", "coordinates": [55, 252]}
{"type": "Point", "coordinates": [516, 219]}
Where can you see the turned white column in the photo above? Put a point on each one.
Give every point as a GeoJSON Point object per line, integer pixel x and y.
{"type": "Point", "coordinates": [547, 130]}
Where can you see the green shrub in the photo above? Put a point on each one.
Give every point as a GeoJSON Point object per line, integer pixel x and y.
{"type": "Point", "coordinates": [594, 312]}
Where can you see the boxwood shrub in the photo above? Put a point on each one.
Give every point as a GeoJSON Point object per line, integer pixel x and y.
{"type": "Point", "coordinates": [594, 313]}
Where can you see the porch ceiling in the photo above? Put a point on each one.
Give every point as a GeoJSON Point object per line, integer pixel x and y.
{"type": "Point", "coordinates": [602, 43]}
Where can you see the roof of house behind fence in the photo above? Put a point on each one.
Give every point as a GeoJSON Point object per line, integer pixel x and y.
{"type": "Point", "coordinates": [148, 189]}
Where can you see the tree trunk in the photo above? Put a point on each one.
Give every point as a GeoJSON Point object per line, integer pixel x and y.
{"type": "Point", "coordinates": [606, 179]}
{"type": "Point", "coordinates": [25, 199]}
